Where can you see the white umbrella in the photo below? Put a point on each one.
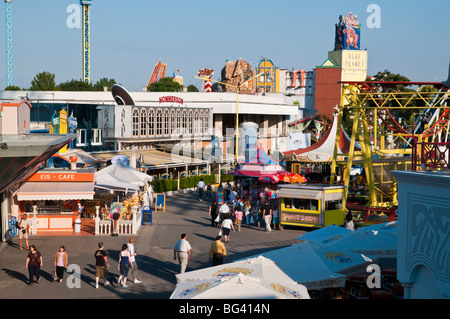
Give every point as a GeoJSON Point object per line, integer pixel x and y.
{"type": "Point", "coordinates": [318, 267]}
{"type": "Point", "coordinates": [119, 173]}
{"type": "Point", "coordinates": [370, 241]}
{"type": "Point", "coordinates": [325, 235]}
{"type": "Point", "coordinates": [252, 278]}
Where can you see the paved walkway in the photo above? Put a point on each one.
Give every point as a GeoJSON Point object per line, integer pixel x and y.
{"type": "Point", "coordinates": [154, 244]}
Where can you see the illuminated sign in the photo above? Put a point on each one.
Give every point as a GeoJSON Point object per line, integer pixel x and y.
{"type": "Point", "coordinates": [170, 99]}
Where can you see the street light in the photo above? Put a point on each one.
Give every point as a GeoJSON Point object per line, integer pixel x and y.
{"type": "Point", "coordinates": [237, 88]}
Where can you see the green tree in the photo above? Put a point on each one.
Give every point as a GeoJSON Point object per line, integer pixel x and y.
{"type": "Point", "coordinates": [104, 82]}
{"type": "Point", "coordinates": [13, 88]}
{"type": "Point", "coordinates": [192, 88]}
{"type": "Point", "coordinates": [76, 85]}
{"type": "Point", "coordinates": [44, 81]}
{"type": "Point", "coordinates": [166, 84]}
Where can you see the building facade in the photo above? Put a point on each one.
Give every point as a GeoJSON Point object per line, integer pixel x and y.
{"type": "Point", "coordinates": [161, 117]}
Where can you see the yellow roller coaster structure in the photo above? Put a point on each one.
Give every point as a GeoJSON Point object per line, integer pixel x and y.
{"type": "Point", "coordinates": [380, 135]}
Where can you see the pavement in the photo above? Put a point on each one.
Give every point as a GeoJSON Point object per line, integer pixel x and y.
{"type": "Point", "coordinates": [154, 244]}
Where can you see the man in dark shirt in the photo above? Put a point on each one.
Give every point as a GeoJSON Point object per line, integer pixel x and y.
{"type": "Point", "coordinates": [267, 215]}
{"type": "Point", "coordinates": [101, 263]}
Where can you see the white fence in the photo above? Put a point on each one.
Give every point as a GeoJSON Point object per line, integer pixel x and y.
{"type": "Point", "coordinates": [124, 227]}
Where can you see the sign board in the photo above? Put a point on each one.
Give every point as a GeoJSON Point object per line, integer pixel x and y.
{"type": "Point", "coordinates": [160, 202]}
{"type": "Point", "coordinates": [147, 215]}
{"type": "Point", "coordinates": [348, 33]}
{"type": "Point", "coordinates": [62, 177]}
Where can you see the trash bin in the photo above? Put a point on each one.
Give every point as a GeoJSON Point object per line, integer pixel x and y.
{"type": "Point", "coordinates": [77, 225]}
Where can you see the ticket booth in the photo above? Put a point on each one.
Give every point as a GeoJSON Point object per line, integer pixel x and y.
{"type": "Point", "coordinates": [311, 205]}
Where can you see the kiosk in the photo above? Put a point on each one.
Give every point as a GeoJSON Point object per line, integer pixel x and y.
{"type": "Point", "coordinates": [311, 205]}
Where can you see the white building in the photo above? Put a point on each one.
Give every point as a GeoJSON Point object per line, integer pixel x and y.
{"type": "Point", "coordinates": [105, 125]}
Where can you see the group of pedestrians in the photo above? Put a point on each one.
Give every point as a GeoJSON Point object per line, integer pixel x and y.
{"type": "Point", "coordinates": [239, 211]}
{"type": "Point", "coordinates": [127, 260]}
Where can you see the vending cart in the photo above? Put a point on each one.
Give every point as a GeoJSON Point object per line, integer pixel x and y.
{"type": "Point", "coordinates": [311, 205]}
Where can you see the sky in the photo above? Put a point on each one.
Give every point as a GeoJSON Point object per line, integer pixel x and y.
{"type": "Point", "coordinates": [128, 37]}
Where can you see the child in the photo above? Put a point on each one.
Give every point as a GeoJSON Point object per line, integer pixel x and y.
{"type": "Point", "coordinates": [239, 215]}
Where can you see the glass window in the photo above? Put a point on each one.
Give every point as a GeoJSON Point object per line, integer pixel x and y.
{"type": "Point", "coordinates": [206, 122]}
{"type": "Point", "coordinates": [301, 204]}
{"type": "Point", "coordinates": [172, 121]}
{"type": "Point", "coordinates": [166, 122]}
{"type": "Point", "coordinates": [197, 128]}
{"type": "Point", "coordinates": [159, 118]}
{"type": "Point", "coordinates": [143, 123]}
{"type": "Point", "coordinates": [184, 125]}
{"type": "Point", "coordinates": [190, 121]}
{"type": "Point", "coordinates": [178, 127]}
{"type": "Point", "coordinates": [151, 122]}
{"type": "Point", "coordinates": [333, 204]}
{"type": "Point", "coordinates": [135, 131]}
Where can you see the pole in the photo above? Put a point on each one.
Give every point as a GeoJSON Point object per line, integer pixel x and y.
{"type": "Point", "coordinates": [237, 123]}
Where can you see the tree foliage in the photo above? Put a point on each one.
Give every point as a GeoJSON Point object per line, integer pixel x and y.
{"type": "Point", "coordinates": [44, 81]}
{"type": "Point", "coordinates": [76, 85]}
{"type": "Point", "coordinates": [166, 84]}
{"type": "Point", "coordinates": [12, 88]}
{"type": "Point", "coordinates": [192, 88]}
{"type": "Point", "coordinates": [104, 82]}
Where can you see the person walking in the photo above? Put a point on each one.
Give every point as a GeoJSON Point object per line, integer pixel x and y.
{"type": "Point", "coordinates": [201, 186]}
{"type": "Point", "coordinates": [239, 215]}
{"type": "Point", "coordinates": [124, 265]}
{"type": "Point", "coordinates": [247, 212]}
{"type": "Point", "coordinates": [60, 263]}
{"type": "Point", "coordinates": [223, 210]}
{"type": "Point", "coordinates": [23, 226]}
{"type": "Point", "coordinates": [182, 250]}
{"type": "Point", "coordinates": [133, 254]}
{"type": "Point", "coordinates": [101, 263]}
{"type": "Point", "coordinates": [217, 251]}
{"type": "Point", "coordinates": [213, 213]}
{"type": "Point", "coordinates": [209, 191]}
{"type": "Point", "coordinates": [267, 215]}
{"type": "Point", "coordinates": [226, 227]}
{"type": "Point", "coordinates": [33, 264]}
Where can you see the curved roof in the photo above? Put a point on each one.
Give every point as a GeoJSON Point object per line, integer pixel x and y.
{"type": "Point", "coordinates": [323, 150]}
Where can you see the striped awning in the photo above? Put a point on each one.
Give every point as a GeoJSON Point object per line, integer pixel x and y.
{"type": "Point", "coordinates": [56, 191]}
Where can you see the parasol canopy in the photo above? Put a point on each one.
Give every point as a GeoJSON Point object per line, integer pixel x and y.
{"type": "Point", "coordinates": [253, 278]}
{"type": "Point", "coordinates": [318, 267]}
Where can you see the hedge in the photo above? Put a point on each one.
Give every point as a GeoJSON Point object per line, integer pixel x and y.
{"type": "Point", "coordinates": [166, 185]}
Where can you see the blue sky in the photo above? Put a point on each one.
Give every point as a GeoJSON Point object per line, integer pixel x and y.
{"type": "Point", "coordinates": [127, 37]}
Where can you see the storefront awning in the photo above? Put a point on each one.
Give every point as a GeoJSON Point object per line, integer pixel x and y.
{"type": "Point", "coordinates": [299, 193]}
{"type": "Point", "coordinates": [56, 191]}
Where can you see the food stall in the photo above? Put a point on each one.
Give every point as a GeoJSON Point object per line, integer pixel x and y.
{"type": "Point", "coordinates": [311, 205]}
{"type": "Point", "coordinates": [53, 195]}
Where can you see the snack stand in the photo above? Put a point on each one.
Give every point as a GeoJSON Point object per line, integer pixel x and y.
{"type": "Point", "coordinates": [311, 205]}
{"type": "Point", "coordinates": [53, 195]}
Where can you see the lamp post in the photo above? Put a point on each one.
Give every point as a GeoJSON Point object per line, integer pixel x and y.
{"type": "Point", "coordinates": [237, 88]}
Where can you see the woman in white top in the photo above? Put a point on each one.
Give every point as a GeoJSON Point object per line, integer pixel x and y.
{"type": "Point", "coordinates": [133, 254]}
{"type": "Point", "coordinates": [226, 227]}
